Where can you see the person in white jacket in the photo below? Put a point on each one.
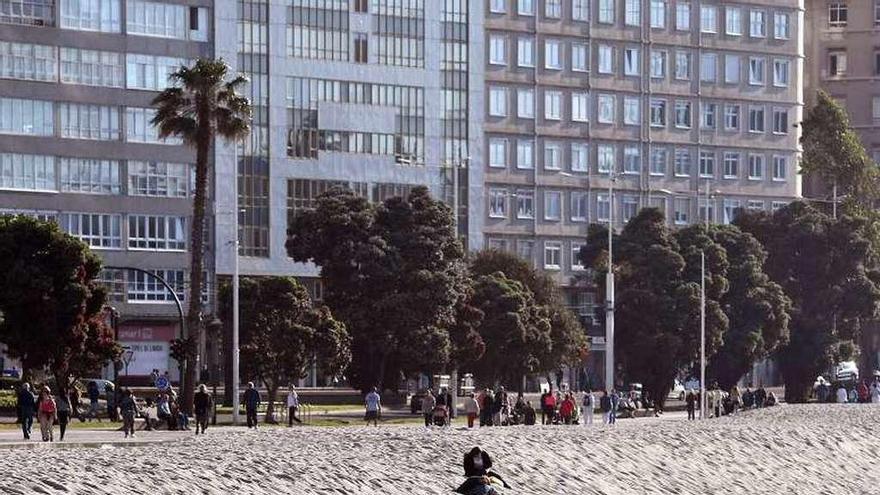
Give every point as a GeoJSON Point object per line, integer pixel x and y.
{"type": "Point", "coordinates": [292, 406]}
{"type": "Point", "coordinates": [875, 391]}
{"type": "Point", "coordinates": [471, 409]}
{"type": "Point", "coordinates": [589, 405]}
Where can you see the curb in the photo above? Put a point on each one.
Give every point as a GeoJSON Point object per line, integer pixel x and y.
{"type": "Point", "coordinates": [87, 444]}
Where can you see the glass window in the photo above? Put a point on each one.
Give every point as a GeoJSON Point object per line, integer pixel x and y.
{"type": "Point", "coordinates": [497, 50]}
{"type": "Point", "coordinates": [756, 119]}
{"type": "Point", "coordinates": [731, 165]}
{"type": "Point", "coordinates": [630, 206]}
{"type": "Point", "coordinates": [160, 179]}
{"type": "Point", "coordinates": [27, 172]}
{"type": "Point", "coordinates": [580, 107]}
{"type": "Point", "coordinates": [525, 249]}
{"type": "Point", "coordinates": [631, 110]}
{"type": "Point", "coordinates": [552, 255]}
{"type": "Point", "coordinates": [525, 52]}
{"type": "Point", "coordinates": [756, 71]}
{"type": "Point", "coordinates": [781, 72]}
{"type": "Point", "coordinates": [756, 167]}
{"type": "Point", "coordinates": [525, 154]}
{"type": "Point", "coordinates": [84, 121]}
{"type": "Point", "coordinates": [659, 158]}
{"type": "Point", "coordinates": [631, 61]}
{"type": "Point", "coordinates": [708, 18]}
{"type": "Point", "coordinates": [498, 6]}
{"type": "Point", "coordinates": [142, 288]}
{"type": "Point", "coordinates": [158, 19]}
{"type": "Point", "coordinates": [580, 154]}
{"type": "Point", "coordinates": [731, 117]}
{"type": "Point", "coordinates": [733, 21]}
{"type": "Point", "coordinates": [781, 26]}
{"type": "Point", "coordinates": [837, 14]}
{"type": "Point", "coordinates": [26, 117]}
{"type": "Point", "coordinates": [92, 67]}
{"type": "Point", "coordinates": [324, 33]}
{"type": "Point", "coordinates": [139, 129]}
{"type": "Point", "coordinates": [683, 114]}
{"type": "Point", "coordinates": [658, 14]}
{"type": "Point", "coordinates": [498, 153]}
{"type": "Point", "coordinates": [100, 231]}
{"type": "Point", "coordinates": [758, 24]}
{"type": "Point", "coordinates": [632, 160]}
{"type": "Point", "coordinates": [606, 58]}
{"type": "Point", "coordinates": [731, 68]}
{"type": "Point", "coordinates": [780, 121]}
{"type": "Point", "coordinates": [709, 117]}
{"type": "Point", "coordinates": [525, 7]}
{"type": "Point", "coordinates": [681, 213]}
{"type": "Point", "coordinates": [780, 166]}
{"type": "Point", "coordinates": [93, 176]}
{"type": "Point", "coordinates": [837, 63]}
{"type": "Point", "coordinates": [606, 109]}
{"type": "Point", "coordinates": [525, 103]}
{"type": "Point", "coordinates": [91, 15]}
{"type": "Point", "coordinates": [149, 71]}
{"type": "Point", "coordinates": [575, 256]}
{"type": "Point", "coordinates": [497, 101]}
{"type": "Point", "coordinates": [28, 12]}
{"type": "Point", "coordinates": [730, 210]}
{"type": "Point", "coordinates": [525, 204]}
{"type": "Point", "coordinates": [658, 64]}
{"type": "Point", "coordinates": [682, 65]}
{"type": "Point", "coordinates": [497, 203]}
{"type": "Point", "coordinates": [755, 204]}
{"type": "Point", "coordinates": [552, 105]}
{"type": "Point", "coordinates": [707, 164]}
{"type": "Point", "coordinates": [603, 207]}
{"type": "Point", "coordinates": [606, 11]}
{"type": "Point", "coordinates": [157, 232]}
{"type": "Point", "coordinates": [580, 10]}
{"type": "Point", "coordinates": [580, 61]}
{"type": "Point", "coordinates": [553, 9]}
{"type": "Point", "coordinates": [632, 13]}
{"type": "Point", "coordinates": [552, 205]}
{"type": "Point", "coordinates": [658, 112]}
{"type": "Point", "coordinates": [709, 67]}
{"type": "Point", "coordinates": [682, 16]}
{"type": "Point", "coordinates": [682, 162]}
{"type": "Point", "coordinates": [28, 62]}
{"type": "Point", "coordinates": [552, 155]}
{"type": "Point", "coordinates": [552, 54]}
{"type": "Point", "coordinates": [605, 158]}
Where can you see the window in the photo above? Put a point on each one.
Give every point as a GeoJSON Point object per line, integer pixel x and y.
{"type": "Point", "coordinates": [525, 7]}
{"type": "Point", "coordinates": [579, 59]}
{"type": "Point", "coordinates": [708, 67]}
{"type": "Point", "coordinates": [877, 63]}
{"type": "Point", "coordinates": [525, 103]}
{"type": "Point", "coordinates": [93, 176]}
{"type": "Point", "coordinates": [658, 64]}
{"type": "Point", "coordinates": [27, 172]}
{"type": "Point", "coordinates": [361, 49]}
{"type": "Point", "coordinates": [756, 167]}
{"type": "Point", "coordinates": [525, 154]}
{"type": "Point", "coordinates": [150, 72]}
{"type": "Point", "coordinates": [28, 12]}
{"type": "Point", "coordinates": [731, 165]}
{"type": "Point", "coordinates": [781, 26]}
{"type": "Point", "coordinates": [837, 63]}
{"type": "Point", "coordinates": [498, 6]}
{"type": "Point", "coordinates": [603, 208]}
{"type": "Point", "coordinates": [552, 105]}
{"type": "Point", "coordinates": [709, 117]}
{"type": "Point", "coordinates": [580, 157]}
{"type": "Point", "coordinates": [26, 117]}
{"type": "Point", "coordinates": [497, 102]}
{"type": "Point", "coordinates": [755, 204]}
{"type": "Point", "coordinates": [84, 121]}
{"type": "Point", "coordinates": [525, 204]}
{"type": "Point", "coordinates": [552, 156]}
{"type": "Point", "coordinates": [552, 255]}
{"type": "Point", "coordinates": [681, 211]}
{"type": "Point", "coordinates": [163, 20]}
{"type": "Point", "coordinates": [658, 113]}
{"type": "Point", "coordinates": [731, 69]}
{"type": "Point", "coordinates": [631, 110]}
{"type": "Point", "coordinates": [579, 203]}
{"type": "Point", "coordinates": [92, 67]}
{"type": "Point", "coordinates": [525, 250]}
{"type": "Point", "coordinates": [138, 128]}
{"type": "Point", "coordinates": [683, 114]}
{"type": "Point", "coordinates": [497, 50]}
{"type": "Point", "coordinates": [580, 107]}
{"type": "Point", "coordinates": [875, 107]}
{"type": "Point", "coordinates": [498, 153]}
{"type": "Point", "coordinates": [733, 21]}
{"type": "Point", "coordinates": [160, 179]}
{"type": "Point", "coordinates": [631, 62]}
{"type": "Point", "coordinates": [606, 11]}
{"type": "Point", "coordinates": [706, 209]}
{"type": "Point", "coordinates": [525, 52]}
{"type": "Point", "coordinates": [780, 121]}
{"type": "Point", "coordinates": [553, 9]}
{"type": "Point", "coordinates": [659, 157]}
{"type": "Point", "coordinates": [575, 256]}
{"type": "Point", "coordinates": [605, 158]}
{"type": "Point", "coordinates": [758, 24]}
{"type": "Point", "coordinates": [682, 16]}
{"type": "Point", "coordinates": [632, 13]}
{"type": "Point", "coordinates": [731, 117]}
{"type": "Point", "coordinates": [606, 109]}
{"type": "Point", "coordinates": [142, 288]}
{"type": "Point", "coordinates": [756, 119]}
{"type": "Point", "coordinates": [91, 15]}
{"type": "Point", "coordinates": [580, 10]}
{"type": "Point", "coordinates": [658, 14]}
{"type": "Point", "coordinates": [95, 229]}
{"type": "Point", "coordinates": [630, 206]}
{"type": "Point", "coordinates": [756, 71]}
{"type": "Point", "coordinates": [632, 160]}
{"type": "Point", "coordinates": [731, 207]}
{"type": "Point", "coordinates": [497, 203]}
{"type": "Point", "coordinates": [780, 164]}
{"type": "Point", "coordinates": [837, 14]}
{"type": "Point", "coordinates": [682, 65]}
{"type": "Point", "coordinates": [708, 19]}
{"type": "Point", "coordinates": [552, 205]}
{"type": "Point", "coordinates": [28, 62]}
{"type": "Point", "coordinates": [156, 232]}
{"type": "Point", "coordinates": [682, 162]}
{"type": "Point", "coordinates": [363, 6]}
{"type": "Point", "coordinates": [606, 57]}
{"type": "Point", "coordinates": [552, 55]}
{"type": "Point", "coordinates": [707, 164]}
{"type": "Point", "coordinates": [778, 205]}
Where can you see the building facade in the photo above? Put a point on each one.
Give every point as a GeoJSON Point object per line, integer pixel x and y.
{"type": "Point", "coordinates": [668, 99]}
{"type": "Point", "coordinates": [76, 81]}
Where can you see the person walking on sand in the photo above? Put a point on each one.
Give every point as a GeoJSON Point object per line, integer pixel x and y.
{"type": "Point", "coordinates": [292, 406]}
{"type": "Point", "coordinates": [530, 417]}
{"type": "Point", "coordinates": [472, 409]}
{"type": "Point", "coordinates": [605, 405]}
{"type": "Point", "coordinates": [589, 405]}
{"type": "Point", "coordinates": [63, 404]}
{"type": "Point", "coordinates": [373, 405]}
{"type": "Point", "coordinates": [690, 401]}
{"type": "Point", "coordinates": [128, 409]}
{"type": "Point", "coordinates": [566, 409]}
{"type": "Point", "coordinates": [94, 394]}
{"type": "Point", "coordinates": [251, 403]}
{"type": "Point", "coordinates": [875, 391]}
{"type": "Point", "coordinates": [736, 399]}
{"type": "Point", "coordinates": [27, 404]}
{"type": "Point", "coordinates": [428, 405]}
{"type": "Point", "coordinates": [46, 412]}
{"type": "Point", "coordinates": [202, 407]}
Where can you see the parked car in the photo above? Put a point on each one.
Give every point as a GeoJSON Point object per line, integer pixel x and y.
{"type": "Point", "coordinates": [102, 384]}
{"type": "Point", "coordinates": [677, 391]}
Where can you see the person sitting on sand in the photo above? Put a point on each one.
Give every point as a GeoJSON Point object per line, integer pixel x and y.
{"type": "Point", "coordinates": [530, 417]}
{"type": "Point", "coordinates": [480, 480]}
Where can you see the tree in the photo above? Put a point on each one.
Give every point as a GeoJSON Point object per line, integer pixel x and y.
{"type": "Point", "coordinates": [52, 305]}
{"type": "Point", "coordinates": [568, 338]}
{"type": "Point", "coordinates": [393, 272]}
{"type": "Point", "coordinates": [200, 106]}
{"type": "Point", "coordinates": [515, 329]}
{"type": "Point", "coordinates": [834, 152]}
{"type": "Point", "coordinates": [828, 268]}
{"type": "Point", "coordinates": [283, 333]}
{"type": "Point", "coordinates": [657, 298]}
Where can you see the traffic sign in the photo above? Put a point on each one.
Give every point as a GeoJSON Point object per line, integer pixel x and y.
{"type": "Point", "coordinates": [162, 383]}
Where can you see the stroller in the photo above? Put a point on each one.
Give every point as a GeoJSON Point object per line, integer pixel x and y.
{"type": "Point", "coordinates": [440, 416]}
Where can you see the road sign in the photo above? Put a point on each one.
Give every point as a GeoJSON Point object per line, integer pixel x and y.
{"type": "Point", "coordinates": [162, 383]}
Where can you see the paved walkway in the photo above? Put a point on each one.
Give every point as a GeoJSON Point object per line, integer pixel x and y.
{"type": "Point", "coordinates": [80, 437]}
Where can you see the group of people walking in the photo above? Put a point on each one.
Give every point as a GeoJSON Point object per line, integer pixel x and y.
{"type": "Point", "coordinates": [720, 403]}
{"type": "Point", "coordinates": [47, 408]}
{"type": "Point", "coordinates": [499, 408]}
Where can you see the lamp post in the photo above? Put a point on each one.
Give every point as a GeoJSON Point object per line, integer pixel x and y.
{"type": "Point", "coordinates": [235, 315]}
{"type": "Point", "coordinates": [609, 293]}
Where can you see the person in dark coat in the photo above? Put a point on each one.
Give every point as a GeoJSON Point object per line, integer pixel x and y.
{"type": "Point", "coordinates": [202, 405]}
{"type": "Point", "coordinates": [251, 403]}
{"type": "Point", "coordinates": [27, 404]}
{"type": "Point", "coordinates": [480, 480]}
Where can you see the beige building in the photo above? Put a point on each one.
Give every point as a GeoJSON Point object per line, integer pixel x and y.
{"type": "Point", "coordinates": [668, 98]}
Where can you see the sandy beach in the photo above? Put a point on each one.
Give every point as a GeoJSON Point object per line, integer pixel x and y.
{"type": "Point", "coordinates": [806, 449]}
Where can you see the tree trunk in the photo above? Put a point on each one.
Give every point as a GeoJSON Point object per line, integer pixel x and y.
{"type": "Point", "coordinates": [272, 393]}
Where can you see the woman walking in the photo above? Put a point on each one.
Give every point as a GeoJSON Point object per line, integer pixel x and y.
{"type": "Point", "coordinates": [46, 410]}
{"type": "Point", "coordinates": [63, 405]}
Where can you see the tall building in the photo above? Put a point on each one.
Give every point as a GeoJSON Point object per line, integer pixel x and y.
{"type": "Point", "coordinates": [378, 95]}
{"type": "Point", "coordinates": [666, 98]}
{"type": "Point", "coordinates": [76, 81]}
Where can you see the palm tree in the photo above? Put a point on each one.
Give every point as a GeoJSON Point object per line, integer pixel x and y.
{"type": "Point", "coordinates": [200, 105]}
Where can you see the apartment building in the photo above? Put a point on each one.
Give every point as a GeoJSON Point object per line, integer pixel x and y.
{"type": "Point", "coordinates": [667, 99]}
{"type": "Point", "coordinates": [76, 81]}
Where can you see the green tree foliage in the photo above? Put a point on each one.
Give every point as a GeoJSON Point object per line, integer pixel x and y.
{"type": "Point", "coordinates": [568, 339]}
{"type": "Point", "coordinates": [52, 306]}
{"type": "Point", "coordinates": [828, 269]}
{"type": "Point", "coordinates": [834, 152]}
{"type": "Point", "coordinates": [200, 106]}
{"type": "Point", "coordinates": [283, 333]}
{"type": "Point", "coordinates": [515, 329]}
{"type": "Point", "coordinates": [657, 296]}
{"type": "Point", "coordinates": [394, 273]}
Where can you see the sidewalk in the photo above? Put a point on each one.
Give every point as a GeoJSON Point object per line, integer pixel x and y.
{"type": "Point", "coordinates": [82, 437]}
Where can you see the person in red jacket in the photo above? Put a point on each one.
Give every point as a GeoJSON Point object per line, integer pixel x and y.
{"type": "Point", "coordinates": [566, 409]}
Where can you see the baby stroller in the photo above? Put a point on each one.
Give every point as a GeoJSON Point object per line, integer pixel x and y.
{"type": "Point", "coordinates": [440, 416]}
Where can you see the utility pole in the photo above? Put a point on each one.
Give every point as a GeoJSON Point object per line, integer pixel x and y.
{"type": "Point", "coordinates": [236, 381]}
{"type": "Point", "coordinates": [702, 335]}
{"type": "Point", "coordinates": [609, 293]}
